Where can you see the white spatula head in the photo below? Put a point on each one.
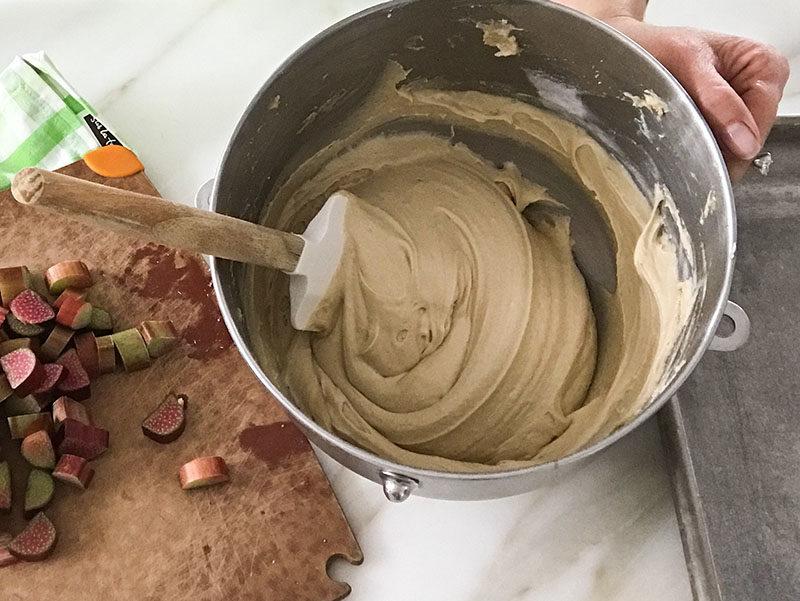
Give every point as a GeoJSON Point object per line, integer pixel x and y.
{"type": "Point", "coordinates": [324, 242]}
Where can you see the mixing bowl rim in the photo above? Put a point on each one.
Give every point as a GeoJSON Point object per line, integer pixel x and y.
{"type": "Point", "coordinates": [726, 202]}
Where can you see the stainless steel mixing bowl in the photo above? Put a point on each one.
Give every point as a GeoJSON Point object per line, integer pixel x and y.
{"type": "Point", "coordinates": [568, 63]}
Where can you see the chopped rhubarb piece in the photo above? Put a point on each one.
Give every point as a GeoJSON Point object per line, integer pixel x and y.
{"type": "Point", "coordinates": [30, 308]}
{"type": "Point", "coordinates": [203, 471]}
{"type": "Point", "coordinates": [13, 280]}
{"type": "Point", "coordinates": [74, 313]}
{"type": "Point", "coordinates": [3, 314]}
{"type": "Point", "coordinates": [70, 292]}
{"type": "Point", "coordinates": [76, 385]}
{"type": "Point", "coordinates": [39, 286]}
{"type": "Point", "coordinates": [75, 438]}
{"type": "Point", "coordinates": [26, 330]}
{"type": "Point", "coordinates": [5, 388]}
{"type": "Point", "coordinates": [167, 422]}
{"type": "Point", "coordinates": [23, 370]}
{"type": "Point", "coordinates": [68, 274]}
{"type": "Point", "coordinates": [56, 342]}
{"type": "Point", "coordinates": [159, 336]}
{"type": "Point", "coordinates": [106, 354]}
{"type": "Point", "coordinates": [6, 559]}
{"type": "Point", "coordinates": [37, 449]}
{"type": "Point", "coordinates": [86, 347]}
{"type": "Point", "coordinates": [132, 349]}
{"type": "Point", "coordinates": [74, 470]}
{"type": "Point", "coordinates": [101, 321]}
{"type": "Point", "coordinates": [54, 373]}
{"type": "Point", "coordinates": [5, 486]}
{"type": "Point", "coordinates": [65, 408]}
{"type": "Point", "coordinates": [9, 346]}
{"type": "Point", "coordinates": [23, 405]}
{"type": "Point", "coordinates": [36, 542]}
{"type": "Point", "coordinates": [21, 426]}
{"type": "Point", "coordinates": [39, 492]}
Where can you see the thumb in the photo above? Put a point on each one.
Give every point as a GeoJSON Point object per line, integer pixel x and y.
{"type": "Point", "coordinates": [727, 114]}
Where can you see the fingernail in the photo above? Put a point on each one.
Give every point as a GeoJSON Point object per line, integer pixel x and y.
{"type": "Point", "coordinates": [741, 140]}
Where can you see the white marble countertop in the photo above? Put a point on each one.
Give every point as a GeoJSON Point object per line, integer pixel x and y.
{"type": "Point", "coordinates": [172, 79]}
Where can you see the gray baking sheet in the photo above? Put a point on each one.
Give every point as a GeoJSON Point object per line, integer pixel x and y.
{"type": "Point", "coordinates": [732, 434]}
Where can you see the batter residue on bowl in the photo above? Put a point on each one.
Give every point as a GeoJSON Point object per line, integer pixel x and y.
{"type": "Point", "coordinates": [464, 339]}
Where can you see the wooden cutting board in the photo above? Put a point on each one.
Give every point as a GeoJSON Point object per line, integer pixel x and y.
{"type": "Point", "coordinates": [134, 534]}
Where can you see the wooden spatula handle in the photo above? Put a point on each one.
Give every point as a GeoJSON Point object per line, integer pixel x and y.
{"type": "Point", "coordinates": [159, 220]}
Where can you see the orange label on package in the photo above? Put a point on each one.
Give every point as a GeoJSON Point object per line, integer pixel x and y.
{"type": "Point", "coordinates": [113, 161]}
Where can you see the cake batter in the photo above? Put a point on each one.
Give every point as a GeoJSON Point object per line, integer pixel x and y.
{"type": "Point", "coordinates": [459, 334]}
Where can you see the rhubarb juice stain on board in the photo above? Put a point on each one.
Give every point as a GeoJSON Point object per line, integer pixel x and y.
{"type": "Point", "coordinates": [163, 273]}
{"type": "Point", "coordinates": [274, 444]}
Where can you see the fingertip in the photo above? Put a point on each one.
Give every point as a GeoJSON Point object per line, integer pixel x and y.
{"type": "Point", "coordinates": [741, 140]}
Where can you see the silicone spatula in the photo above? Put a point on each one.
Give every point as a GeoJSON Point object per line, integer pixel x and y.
{"type": "Point", "coordinates": [311, 259]}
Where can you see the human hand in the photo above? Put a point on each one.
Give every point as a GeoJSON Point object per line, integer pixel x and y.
{"type": "Point", "coordinates": [737, 83]}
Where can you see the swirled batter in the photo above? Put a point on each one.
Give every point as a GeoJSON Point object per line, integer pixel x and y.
{"type": "Point", "coordinates": [460, 335]}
